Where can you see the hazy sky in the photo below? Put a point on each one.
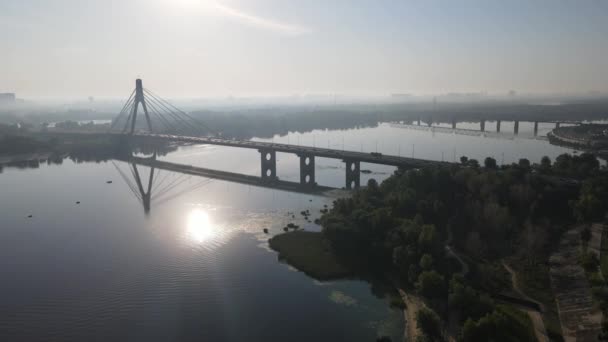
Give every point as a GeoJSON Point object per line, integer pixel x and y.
{"type": "Point", "coordinates": [203, 48]}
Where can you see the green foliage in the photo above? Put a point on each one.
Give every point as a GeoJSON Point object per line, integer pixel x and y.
{"type": "Point", "coordinates": [469, 302]}
{"type": "Point", "coordinates": [582, 166]}
{"type": "Point", "coordinates": [524, 163]}
{"type": "Point", "coordinates": [490, 163]}
{"type": "Point", "coordinates": [545, 163]}
{"type": "Point", "coordinates": [400, 227]}
{"type": "Point", "coordinates": [502, 325]}
{"type": "Point", "coordinates": [426, 262]}
{"type": "Point", "coordinates": [592, 203]}
{"type": "Point", "coordinates": [586, 235]}
{"type": "Point", "coordinates": [429, 323]}
{"type": "Point", "coordinates": [431, 284]}
{"type": "Point", "coordinates": [589, 261]}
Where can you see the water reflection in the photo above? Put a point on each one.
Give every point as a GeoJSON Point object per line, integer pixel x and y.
{"type": "Point", "coordinates": [199, 227]}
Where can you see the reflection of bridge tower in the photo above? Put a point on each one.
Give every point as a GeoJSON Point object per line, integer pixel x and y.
{"type": "Point", "coordinates": [161, 185]}
{"type": "Point", "coordinates": [145, 195]}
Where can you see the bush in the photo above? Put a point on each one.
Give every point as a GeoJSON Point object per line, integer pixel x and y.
{"type": "Point", "coordinates": [429, 323]}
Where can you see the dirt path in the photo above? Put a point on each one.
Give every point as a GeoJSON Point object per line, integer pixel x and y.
{"type": "Point", "coordinates": [535, 316]}
{"type": "Point", "coordinates": [465, 266]}
{"type": "Point", "coordinates": [412, 305]}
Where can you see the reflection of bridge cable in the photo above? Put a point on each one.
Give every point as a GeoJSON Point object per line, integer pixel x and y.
{"type": "Point", "coordinates": [198, 186]}
{"type": "Point", "coordinates": [129, 183]}
{"type": "Point", "coordinates": [176, 182]}
{"type": "Point", "coordinates": [161, 195]}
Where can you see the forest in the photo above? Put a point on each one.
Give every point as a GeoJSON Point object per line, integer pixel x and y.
{"type": "Point", "coordinates": [487, 214]}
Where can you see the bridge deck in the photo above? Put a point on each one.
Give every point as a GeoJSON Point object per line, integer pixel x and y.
{"type": "Point", "coordinates": [300, 150]}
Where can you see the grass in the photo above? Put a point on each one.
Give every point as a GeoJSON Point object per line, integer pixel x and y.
{"type": "Point", "coordinates": [310, 253]}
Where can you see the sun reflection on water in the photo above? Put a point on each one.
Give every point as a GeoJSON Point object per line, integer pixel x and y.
{"type": "Point", "coordinates": [200, 229]}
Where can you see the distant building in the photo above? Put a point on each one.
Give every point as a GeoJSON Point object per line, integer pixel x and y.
{"type": "Point", "coordinates": [7, 98]}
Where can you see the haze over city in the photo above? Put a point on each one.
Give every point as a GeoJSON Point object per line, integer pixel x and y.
{"type": "Point", "coordinates": [207, 48]}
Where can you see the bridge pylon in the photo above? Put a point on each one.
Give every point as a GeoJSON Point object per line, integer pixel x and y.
{"type": "Point", "coordinates": [139, 99]}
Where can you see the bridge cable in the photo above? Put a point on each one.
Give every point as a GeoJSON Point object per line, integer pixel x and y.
{"type": "Point", "coordinates": [154, 104]}
{"type": "Point", "coordinates": [163, 120]}
{"type": "Point", "coordinates": [171, 113]}
{"type": "Point", "coordinates": [123, 110]}
{"type": "Point", "coordinates": [159, 110]}
{"type": "Point", "coordinates": [180, 111]}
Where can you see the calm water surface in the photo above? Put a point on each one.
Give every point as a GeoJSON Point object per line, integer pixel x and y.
{"type": "Point", "coordinates": [196, 267]}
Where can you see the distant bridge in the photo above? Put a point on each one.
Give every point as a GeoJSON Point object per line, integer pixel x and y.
{"type": "Point", "coordinates": [165, 122]}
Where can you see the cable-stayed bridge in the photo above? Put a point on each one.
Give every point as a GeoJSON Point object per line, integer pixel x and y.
{"type": "Point", "coordinates": [165, 122]}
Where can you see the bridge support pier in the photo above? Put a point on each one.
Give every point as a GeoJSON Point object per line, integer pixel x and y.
{"type": "Point", "coordinates": [418, 121]}
{"type": "Point", "coordinates": [557, 125]}
{"type": "Point", "coordinates": [498, 126]}
{"type": "Point", "coordinates": [307, 170]}
{"type": "Point", "coordinates": [482, 125]}
{"type": "Point", "coordinates": [535, 128]}
{"type": "Point", "coordinates": [269, 165]}
{"type": "Point", "coordinates": [453, 124]}
{"type": "Point", "coordinates": [353, 174]}
{"type": "Point", "coordinates": [516, 127]}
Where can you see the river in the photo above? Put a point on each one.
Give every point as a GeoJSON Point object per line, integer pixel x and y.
{"type": "Point", "coordinates": [196, 266]}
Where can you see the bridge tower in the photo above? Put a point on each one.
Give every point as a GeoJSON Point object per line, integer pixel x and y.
{"type": "Point", "coordinates": [139, 99]}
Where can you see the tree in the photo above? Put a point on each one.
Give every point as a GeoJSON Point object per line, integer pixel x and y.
{"type": "Point", "coordinates": [500, 325]}
{"type": "Point", "coordinates": [545, 163]}
{"type": "Point", "coordinates": [524, 163]}
{"type": "Point", "coordinates": [490, 163]}
{"type": "Point", "coordinates": [589, 261]}
{"type": "Point", "coordinates": [586, 235]}
{"type": "Point", "coordinates": [464, 160]}
{"type": "Point", "coordinates": [426, 262]}
{"type": "Point", "coordinates": [429, 323]}
{"type": "Point", "coordinates": [431, 284]}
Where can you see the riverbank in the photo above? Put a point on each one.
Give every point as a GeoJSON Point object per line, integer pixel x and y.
{"type": "Point", "coordinates": [586, 136]}
{"type": "Point", "coordinates": [309, 253]}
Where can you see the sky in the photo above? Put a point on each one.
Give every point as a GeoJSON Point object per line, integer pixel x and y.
{"type": "Point", "coordinates": [216, 48]}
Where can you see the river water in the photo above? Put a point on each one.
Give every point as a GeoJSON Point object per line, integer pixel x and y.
{"type": "Point", "coordinates": [196, 266]}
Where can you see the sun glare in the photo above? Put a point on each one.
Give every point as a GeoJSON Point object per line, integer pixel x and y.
{"type": "Point", "coordinates": [199, 227]}
{"type": "Point", "coordinates": [186, 3]}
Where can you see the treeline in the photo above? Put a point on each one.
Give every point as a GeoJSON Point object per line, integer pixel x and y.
{"type": "Point", "coordinates": [485, 212]}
